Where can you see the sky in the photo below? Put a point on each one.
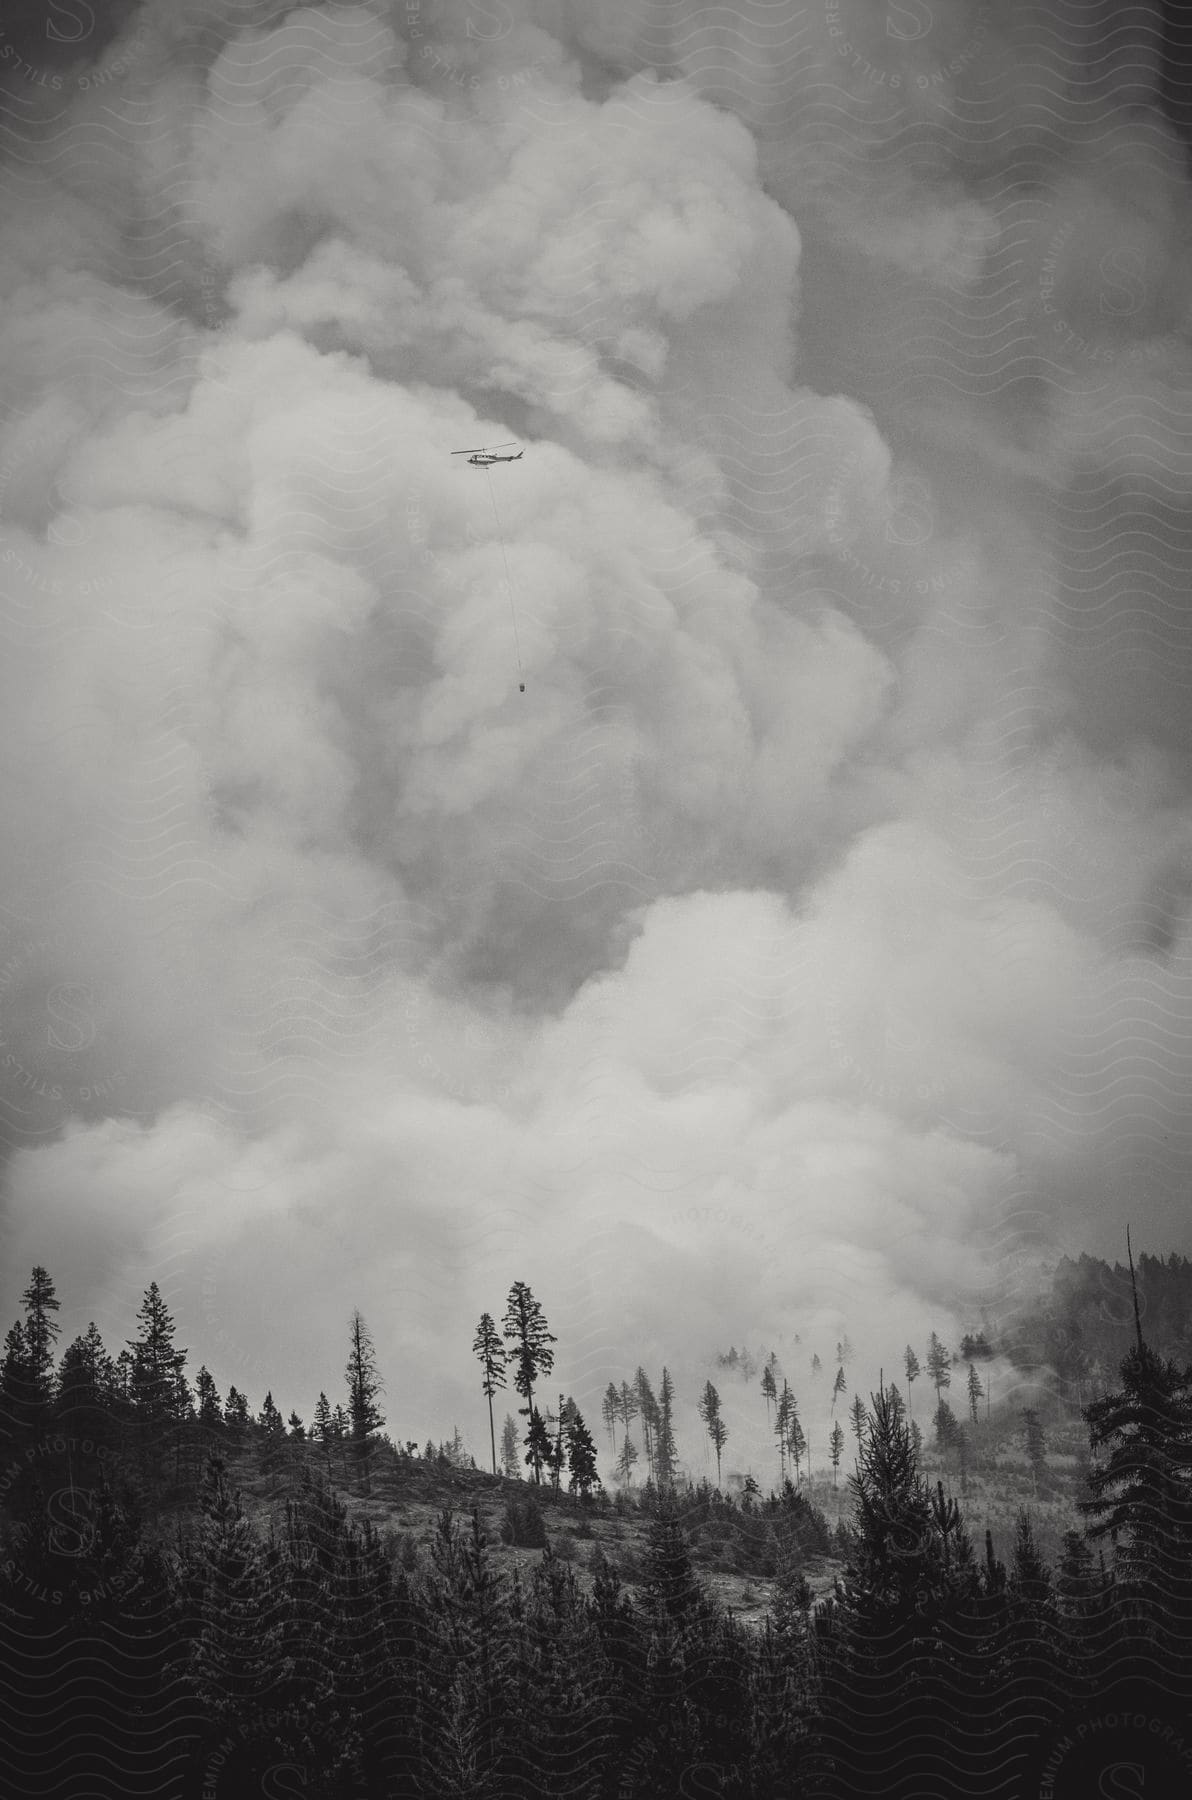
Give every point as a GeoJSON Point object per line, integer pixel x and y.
{"type": "Point", "coordinates": [731, 868]}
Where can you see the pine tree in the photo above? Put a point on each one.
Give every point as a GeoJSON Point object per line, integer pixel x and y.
{"type": "Point", "coordinates": [232, 1656]}
{"type": "Point", "coordinates": [1030, 1578]}
{"type": "Point", "coordinates": [947, 1428]}
{"type": "Point", "coordinates": [796, 1442]}
{"type": "Point", "coordinates": [709, 1412]}
{"type": "Point", "coordinates": [626, 1460]}
{"type": "Point", "coordinates": [836, 1449]}
{"type": "Point", "coordinates": [939, 1366]}
{"type": "Point", "coordinates": [321, 1427]}
{"type": "Point", "coordinates": [297, 1428]}
{"type": "Point", "coordinates": [769, 1389]}
{"type": "Point", "coordinates": [1139, 1495]}
{"type": "Point", "coordinates": [630, 1405]}
{"type": "Point", "coordinates": [122, 1378]}
{"type": "Point", "coordinates": [558, 1454]}
{"type": "Point", "coordinates": [910, 1363]}
{"type": "Point", "coordinates": [858, 1416]}
{"type": "Point", "coordinates": [782, 1428]}
{"type": "Point", "coordinates": [525, 1328]}
{"type": "Point", "coordinates": [839, 1386]}
{"type": "Point", "coordinates": [85, 1375]}
{"type": "Point", "coordinates": [911, 1552]}
{"type": "Point", "coordinates": [16, 1384]}
{"type": "Point", "coordinates": [976, 1392]}
{"type": "Point", "coordinates": [509, 1460]}
{"type": "Point", "coordinates": [581, 1457]}
{"type": "Point", "coordinates": [816, 1366]}
{"type": "Point", "coordinates": [40, 1332]}
{"type": "Point", "coordinates": [648, 1406]}
{"type": "Point", "coordinates": [610, 1412]}
{"type": "Point", "coordinates": [488, 1347]}
{"type": "Point", "coordinates": [538, 1444]}
{"type": "Point", "coordinates": [364, 1389]}
{"type": "Point", "coordinates": [156, 1362]}
{"type": "Point", "coordinates": [236, 1413]}
{"type": "Point", "coordinates": [665, 1453]}
{"type": "Point", "coordinates": [207, 1395]}
{"type": "Point", "coordinates": [269, 1419]}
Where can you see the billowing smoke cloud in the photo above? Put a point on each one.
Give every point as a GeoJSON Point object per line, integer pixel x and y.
{"type": "Point", "coordinates": [807, 944]}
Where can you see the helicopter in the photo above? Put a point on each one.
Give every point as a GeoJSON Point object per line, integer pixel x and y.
{"type": "Point", "coordinates": [484, 458]}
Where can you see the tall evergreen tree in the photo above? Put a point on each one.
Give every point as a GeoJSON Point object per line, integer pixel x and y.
{"type": "Point", "coordinates": [1140, 1483]}
{"type": "Point", "coordinates": [158, 1394]}
{"type": "Point", "coordinates": [976, 1392]}
{"type": "Point", "coordinates": [839, 1386]}
{"type": "Point", "coordinates": [236, 1413]}
{"type": "Point", "coordinates": [709, 1412]}
{"type": "Point", "coordinates": [269, 1418]}
{"type": "Point", "coordinates": [836, 1449]}
{"type": "Point", "coordinates": [538, 1444]}
{"type": "Point", "coordinates": [364, 1390]}
{"type": "Point", "coordinates": [910, 1567]}
{"type": "Point", "coordinates": [207, 1396]}
{"type": "Point", "coordinates": [630, 1409]}
{"type": "Point", "coordinates": [626, 1459]}
{"type": "Point", "coordinates": [156, 1361]}
{"type": "Point", "coordinates": [939, 1366]}
{"type": "Point", "coordinates": [769, 1389]}
{"type": "Point", "coordinates": [947, 1428]}
{"type": "Point", "coordinates": [665, 1453]}
{"type": "Point", "coordinates": [524, 1327]}
{"type": "Point", "coordinates": [85, 1375]}
{"type": "Point", "coordinates": [488, 1347]}
{"type": "Point", "coordinates": [17, 1393]}
{"type": "Point", "coordinates": [321, 1427]}
{"type": "Point", "coordinates": [797, 1442]}
{"type": "Point", "coordinates": [122, 1378]}
{"type": "Point", "coordinates": [557, 1455]}
{"type": "Point", "coordinates": [232, 1661]}
{"type": "Point", "coordinates": [510, 1465]}
{"type": "Point", "coordinates": [610, 1412]}
{"type": "Point", "coordinates": [648, 1407]}
{"type": "Point", "coordinates": [41, 1329]}
{"type": "Point", "coordinates": [858, 1416]}
{"type": "Point", "coordinates": [581, 1456]}
{"type": "Point", "coordinates": [910, 1363]}
{"type": "Point", "coordinates": [782, 1427]}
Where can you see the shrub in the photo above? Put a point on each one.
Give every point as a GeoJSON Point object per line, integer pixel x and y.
{"type": "Point", "coordinates": [523, 1524]}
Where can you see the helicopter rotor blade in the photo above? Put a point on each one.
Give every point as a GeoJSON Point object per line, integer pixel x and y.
{"type": "Point", "coordinates": [483, 449]}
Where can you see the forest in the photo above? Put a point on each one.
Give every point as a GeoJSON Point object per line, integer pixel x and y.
{"type": "Point", "coordinates": [200, 1600]}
